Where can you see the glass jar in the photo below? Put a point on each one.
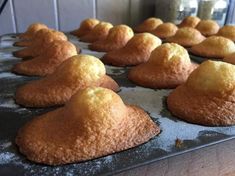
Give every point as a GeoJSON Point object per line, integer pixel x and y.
{"type": "Point", "coordinates": [213, 9]}
{"type": "Point", "coordinates": [175, 10]}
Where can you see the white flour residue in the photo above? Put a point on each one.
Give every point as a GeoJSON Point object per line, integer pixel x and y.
{"type": "Point", "coordinates": [6, 157]}
{"type": "Point", "coordinates": [149, 99]}
{"type": "Point", "coordinates": [82, 45]}
{"type": "Point", "coordinates": [12, 158]}
{"type": "Point", "coordinates": [31, 168]}
{"type": "Point", "coordinates": [93, 53]}
{"type": "Point", "coordinates": [6, 57]}
{"type": "Point", "coordinates": [9, 103]}
{"type": "Point", "coordinates": [112, 70]}
{"type": "Point", "coordinates": [105, 161]}
{"type": "Point", "coordinates": [69, 174]}
{"type": "Point", "coordinates": [172, 128]}
{"type": "Point", "coordinates": [8, 74]}
{"type": "Point", "coordinates": [108, 159]}
{"type": "Point", "coordinates": [9, 37]}
{"type": "Point", "coordinates": [5, 144]}
{"type": "Point", "coordinates": [7, 43]}
{"type": "Point", "coordinates": [10, 49]}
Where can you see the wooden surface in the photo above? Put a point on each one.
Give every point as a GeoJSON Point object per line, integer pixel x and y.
{"type": "Point", "coordinates": [216, 160]}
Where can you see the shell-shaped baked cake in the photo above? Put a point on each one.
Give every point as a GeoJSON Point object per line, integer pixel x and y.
{"type": "Point", "coordinates": [230, 58]}
{"type": "Point", "coordinates": [27, 38]}
{"type": "Point", "coordinates": [165, 30]}
{"type": "Point", "coordinates": [187, 37]}
{"type": "Point", "coordinates": [208, 27]}
{"type": "Point", "coordinates": [117, 38]}
{"type": "Point", "coordinates": [85, 27]}
{"type": "Point", "coordinates": [168, 66]}
{"type": "Point", "coordinates": [94, 123]}
{"type": "Point", "coordinates": [40, 43]}
{"type": "Point", "coordinates": [77, 72]}
{"type": "Point", "coordinates": [227, 31]}
{"type": "Point", "coordinates": [136, 51]}
{"type": "Point", "coordinates": [219, 76]}
{"type": "Point", "coordinates": [207, 97]}
{"type": "Point", "coordinates": [190, 21]}
{"type": "Point", "coordinates": [49, 35]}
{"type": "Point", "coordinates": [46, 63]}
{"type": "Point", "coordinates": [148, 25]}
{"type": "Point", "coordinates": [214, 47]}
{"type": "Point", "coordinates": [99, 32]}
{"type": "Point", "coordinates": [31, 31]}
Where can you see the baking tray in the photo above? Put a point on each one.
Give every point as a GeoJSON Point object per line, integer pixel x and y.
{"type": "Point", "coordinates": [153, 101]}
{"type": "Point", "coordinates": [200, 59]}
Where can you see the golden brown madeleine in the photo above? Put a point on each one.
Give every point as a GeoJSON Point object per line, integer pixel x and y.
{"type": "Point", "coordinates": [228, 32]}
{"type": "Point", "coordinates": [148, 25]}
{"type": "Point", "coordinates": [208, 27]}
{"type": "Point", "coordinates": [94, 123]}
{"type": "Point", "coordinates": [117, 38]}
{"type": "Point", "coordinates": [230, 58]}
{"type": "Point", "coordinates": [85, 27]}
{"type": "Point", "coordinates": [190, 21]}
{"type": "Point", "coordinates": [49, 35]}
{"type": "Point", "coordinates": [42, 39]}
{"type": "Point", "coordinates": [99, 32]}
{"type": "Point", "coordinates": [46, 63]}
{"type": "Point", "coordinates": [26, 43]}
{"type": "Point", "coordinates": [165, 30]}
{"type": "Point", "coordinates": [136, 51]}
{"type": "Point", "coordinates": [32, 29]}
{"type": "Point", "coordinates": [78, 72]}
{"type": "Point", "coordinates": [187, 37]}
{"type": "Point", "coordinates": [168, 66]}
{"type": "Point", "coordinates": [27, 37]}
{"type": "Point", "coordinates": [208, 96]}
{"type": "Point", "coordinates": [214, 47]}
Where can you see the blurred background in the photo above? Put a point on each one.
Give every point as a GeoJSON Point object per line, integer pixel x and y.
{"type": "Point", "coordinates": [66, 15]}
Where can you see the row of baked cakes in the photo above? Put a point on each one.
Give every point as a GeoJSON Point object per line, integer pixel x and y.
{"type": "Point", "coordinates": [92, 119]}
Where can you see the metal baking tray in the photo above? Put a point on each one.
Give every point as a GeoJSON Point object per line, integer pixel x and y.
{"type": "Point", "coordinates": [13, 116]}
{"type": "Point", "coordinates": [200, 59]}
